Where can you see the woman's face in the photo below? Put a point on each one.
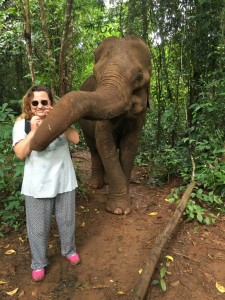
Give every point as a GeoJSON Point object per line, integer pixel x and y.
{"type": "Point", "coordinates": [40, 104]}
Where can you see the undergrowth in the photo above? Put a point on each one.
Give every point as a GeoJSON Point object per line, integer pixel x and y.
{"type": "Point", "coordinates": [207, 199]}
{"type": "Point", "coordinates": [11, 171]}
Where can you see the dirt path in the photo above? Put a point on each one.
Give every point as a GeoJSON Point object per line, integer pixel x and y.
{"type": "Point", "coordinates": [114, 249]}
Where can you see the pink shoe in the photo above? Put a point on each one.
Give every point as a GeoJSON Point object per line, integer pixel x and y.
{"type": "Point", "coordinates": [38, 275]}
{"type": "Point", "coordinates": [74, 259]}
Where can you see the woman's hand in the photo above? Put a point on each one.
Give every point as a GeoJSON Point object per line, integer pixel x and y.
{"type": "Point", "coordinates": [22, 148]}
{"type": "Point", "coordinates": [37, 119]}
{"type": "Point", "coordinates": [35, 122]}
{"type": "Point", "coordinates": [48, 108]}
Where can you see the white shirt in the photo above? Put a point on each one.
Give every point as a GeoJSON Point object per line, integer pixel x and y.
{"type": "Point", "coordinates": [48, 172]}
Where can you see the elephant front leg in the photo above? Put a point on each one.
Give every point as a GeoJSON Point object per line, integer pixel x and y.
{"type": "Point", "coordinates": [96, 181]}
{"type": "Point", "coordinates": [97, 172]}
{"type": "Point", "coordinates": [118, 201]}
{"type": "Point", "coordinates": [129, 143]}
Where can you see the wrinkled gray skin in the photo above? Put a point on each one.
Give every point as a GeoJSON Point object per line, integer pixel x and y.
{"type": "Point", "coordinates": [111, 108]}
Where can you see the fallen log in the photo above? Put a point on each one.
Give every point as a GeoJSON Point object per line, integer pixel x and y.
{"type": "Point", "coordinates": [146, 275]}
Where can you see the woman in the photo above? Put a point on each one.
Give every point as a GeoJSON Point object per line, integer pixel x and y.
{"type": "Point", "coordinates": [49, 181]}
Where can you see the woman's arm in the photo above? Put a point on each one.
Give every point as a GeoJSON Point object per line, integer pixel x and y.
{"type": "Point", "coordinates": [72, 135]}
{"type": "Point", "coordinates": [22, 148]}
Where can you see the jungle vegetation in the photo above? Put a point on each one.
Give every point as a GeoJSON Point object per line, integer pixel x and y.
{"type": "Point", "coordinates": [52, 42]}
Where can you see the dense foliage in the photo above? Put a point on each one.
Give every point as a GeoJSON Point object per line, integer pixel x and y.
{"type": "Point", "coordinates": [185, 121]}
{"type": "Point", "coordinates": [11, 205]}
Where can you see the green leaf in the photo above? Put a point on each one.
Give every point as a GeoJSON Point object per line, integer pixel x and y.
{"type": "Point", "coordinates": [155, 282]}
{"type": "Point", "coordinates": [200, 217]}
{"type": "Point", "coordinates": [163, 271]}
{"type": "Point", "coordinates": [163, 284]}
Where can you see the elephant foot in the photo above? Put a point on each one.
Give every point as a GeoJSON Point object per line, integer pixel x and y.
{"type": "Point", "coordinates": [96, 183]}
{"type": "Point", "coordinates": [118, 206]}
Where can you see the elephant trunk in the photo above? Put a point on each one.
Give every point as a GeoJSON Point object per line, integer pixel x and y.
{"type": "Point", "coordinates": [98, 105]}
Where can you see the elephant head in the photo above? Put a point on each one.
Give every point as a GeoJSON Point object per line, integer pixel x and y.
{"type": "Point", "coordinates": [122, 74]}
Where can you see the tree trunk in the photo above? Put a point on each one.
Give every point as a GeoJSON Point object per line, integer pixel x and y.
{"type": "Point", "coordinates": [144, 20]}
{"type": "Point", "coordinates": [70, 57]}
{"type": "Point", "coordinates": [62, 60]}
{"type": "Point", "coordinates": [223, 154]}
{"type": "Point", "coordinates": [48, 44]}
{"type": "Point", "coordinates": [160, 105]}
{"type": "Point", "coordinates": [27, 36]}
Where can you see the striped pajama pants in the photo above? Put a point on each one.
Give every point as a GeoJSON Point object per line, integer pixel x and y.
{"type": "Point", "coordinates": [39, 212]}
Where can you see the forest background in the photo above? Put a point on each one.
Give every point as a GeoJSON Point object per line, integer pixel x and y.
{"type": "Point", "coordinates": [52, 42]}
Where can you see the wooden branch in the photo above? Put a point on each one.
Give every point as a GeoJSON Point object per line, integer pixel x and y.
{"type": "Point", "coordinates": [146, 275]}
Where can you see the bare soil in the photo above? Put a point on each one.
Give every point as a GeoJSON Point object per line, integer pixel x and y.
{"type": "Point", "coordinates": [114, 249]}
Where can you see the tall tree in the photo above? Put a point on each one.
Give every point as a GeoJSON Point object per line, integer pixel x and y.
{"type": "Point", "coordinates": [67, 38]}
{"type": "Point", "coordinates": [25, 11]}
{"type": "Point", "coordinates": [50, 59]}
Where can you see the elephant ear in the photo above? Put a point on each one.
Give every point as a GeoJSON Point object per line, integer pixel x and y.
{"type": "Point", "coordinates": [89, 84]}
{"type": "Point", "coordinates": [105, 44]}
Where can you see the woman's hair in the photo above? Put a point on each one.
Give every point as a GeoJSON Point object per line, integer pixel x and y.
{"type": "Point", "coordinates": [26, 103]}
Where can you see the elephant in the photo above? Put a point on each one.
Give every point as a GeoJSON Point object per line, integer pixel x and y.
{"type": "Point", "coordinates": [111, 107]}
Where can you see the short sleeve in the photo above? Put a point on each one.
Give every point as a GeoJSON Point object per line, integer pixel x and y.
{"type": "Point", "coordinates": [19, 131]}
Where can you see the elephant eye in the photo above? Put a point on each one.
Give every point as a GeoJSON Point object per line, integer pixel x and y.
{"type": "Point", "coordinates": [139, 77]}
{"type": "Point", "coordinates": [138, 80]}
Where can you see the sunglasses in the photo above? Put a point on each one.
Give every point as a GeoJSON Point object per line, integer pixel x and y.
{"type": "Point", "coordinates": [43, 102]}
